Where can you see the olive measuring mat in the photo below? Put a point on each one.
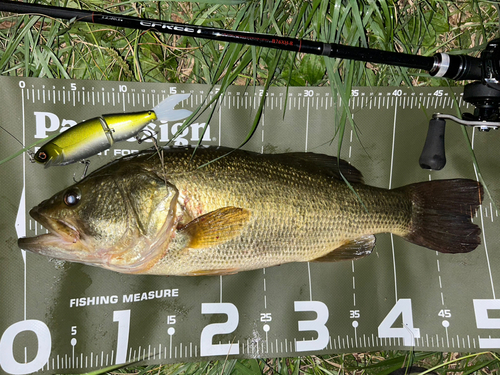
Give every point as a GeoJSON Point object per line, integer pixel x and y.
{"type": "Point", "coordinates": [65, 317]}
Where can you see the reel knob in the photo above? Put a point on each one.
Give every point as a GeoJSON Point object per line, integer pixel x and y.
{"type": "Point", "coordinates": [433, 156]}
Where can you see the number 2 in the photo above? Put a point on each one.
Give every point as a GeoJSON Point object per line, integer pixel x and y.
{"type": "Point", "coordinates": [207, 347]}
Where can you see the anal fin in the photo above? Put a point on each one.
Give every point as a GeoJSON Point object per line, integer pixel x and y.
{"type": "Point", "coordinates": [215, 272]}
{"type": "Point", "coordinates": [350, 250]}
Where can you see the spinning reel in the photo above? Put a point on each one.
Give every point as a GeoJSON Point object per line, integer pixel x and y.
{"type": "Point", "coordinates": [484, 94]}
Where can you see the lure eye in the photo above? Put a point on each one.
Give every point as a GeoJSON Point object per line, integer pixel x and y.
{"type": "Point", "coordinates": [71, 198]}
{"type": "Point", "coordinates": [42, 155]}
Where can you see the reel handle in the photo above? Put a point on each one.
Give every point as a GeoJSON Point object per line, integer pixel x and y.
{"type": "Point", "coordinates": [433, 156]}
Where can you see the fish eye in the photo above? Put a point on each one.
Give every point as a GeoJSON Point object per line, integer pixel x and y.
{"type": "Point", "coordinates": [72, 197]}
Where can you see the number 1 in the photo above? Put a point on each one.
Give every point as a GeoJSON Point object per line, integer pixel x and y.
{"type": "Point", "coordinates": [123, 319]}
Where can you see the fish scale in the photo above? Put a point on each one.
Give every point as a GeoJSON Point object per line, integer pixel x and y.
{"type": "Point", "coordinates": [221, 211]}
{"type": "Point", "coordinates": [280, 223]}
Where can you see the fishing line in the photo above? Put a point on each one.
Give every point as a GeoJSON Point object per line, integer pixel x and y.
{"type": "Point", "coordinates": [25, 149]}
{"type": "Point", "coordinates": [12, 135]}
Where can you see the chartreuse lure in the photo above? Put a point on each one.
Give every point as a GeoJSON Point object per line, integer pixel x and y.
{"type": "Point", "coordinates": [100, 133]}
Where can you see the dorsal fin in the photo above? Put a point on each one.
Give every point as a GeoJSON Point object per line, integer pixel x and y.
{"type": "Point", "coordinates": [309, 162]}
{"type": "Point", "coordinates": [325, 165]}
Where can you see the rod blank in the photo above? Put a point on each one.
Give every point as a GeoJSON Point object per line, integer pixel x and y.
{"type": "Point", "coordinates": [331, 50]}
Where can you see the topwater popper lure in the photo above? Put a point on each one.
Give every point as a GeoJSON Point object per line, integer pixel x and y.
{"type": "Point", "coordinates": [100, 133]}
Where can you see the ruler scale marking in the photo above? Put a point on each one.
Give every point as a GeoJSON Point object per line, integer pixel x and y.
{"type": "Point", "coordinates": [311, 108]}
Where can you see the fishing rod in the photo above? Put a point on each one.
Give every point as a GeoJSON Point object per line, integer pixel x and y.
{"type": "Point", "coordinates": [484, 94]}
{"type": "Point", "coordinates": [459, 67]}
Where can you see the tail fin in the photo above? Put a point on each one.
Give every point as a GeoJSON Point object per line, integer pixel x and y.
{"type": "Point", "coordinates": [442, 213]}
{"type": "Point", "coordinates": [165, 110]}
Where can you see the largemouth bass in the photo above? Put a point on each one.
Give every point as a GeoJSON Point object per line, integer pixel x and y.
{"type": "Point", "coordinates": [186, 215]}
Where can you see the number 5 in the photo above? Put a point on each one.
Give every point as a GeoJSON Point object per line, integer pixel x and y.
{"type": "Point", "coordinates": [483, 321]}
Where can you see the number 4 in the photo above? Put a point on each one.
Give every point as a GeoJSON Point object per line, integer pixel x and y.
{"type": "Point", "coordinates": [444, 313]}
{"type": "Point", "coordinates": [407, 332]}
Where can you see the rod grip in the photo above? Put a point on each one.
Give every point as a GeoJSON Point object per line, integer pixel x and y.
{"type": "Point", "coordinates": [433, 156]}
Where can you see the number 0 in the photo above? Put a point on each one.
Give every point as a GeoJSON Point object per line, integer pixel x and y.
{"type": "Point", "coordinates": [7, 360]}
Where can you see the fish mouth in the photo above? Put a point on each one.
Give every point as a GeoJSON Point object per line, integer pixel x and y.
{"type": "Point", "coordinates": [58, 243]}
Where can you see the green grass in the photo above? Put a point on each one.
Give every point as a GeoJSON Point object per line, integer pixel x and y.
{"type": "Point", "coordinates": [43, 47]}
{"type": "Point", "coordinates": [380, 363]}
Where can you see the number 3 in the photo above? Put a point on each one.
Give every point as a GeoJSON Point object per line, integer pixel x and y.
{"type": "Point", "coordinates": [316, 325]}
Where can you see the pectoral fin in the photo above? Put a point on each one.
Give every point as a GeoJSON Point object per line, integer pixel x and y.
{"type": "Point", "coordinates": [355, 249]}
{"type": "Point", "coordinates": [216, 227]}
